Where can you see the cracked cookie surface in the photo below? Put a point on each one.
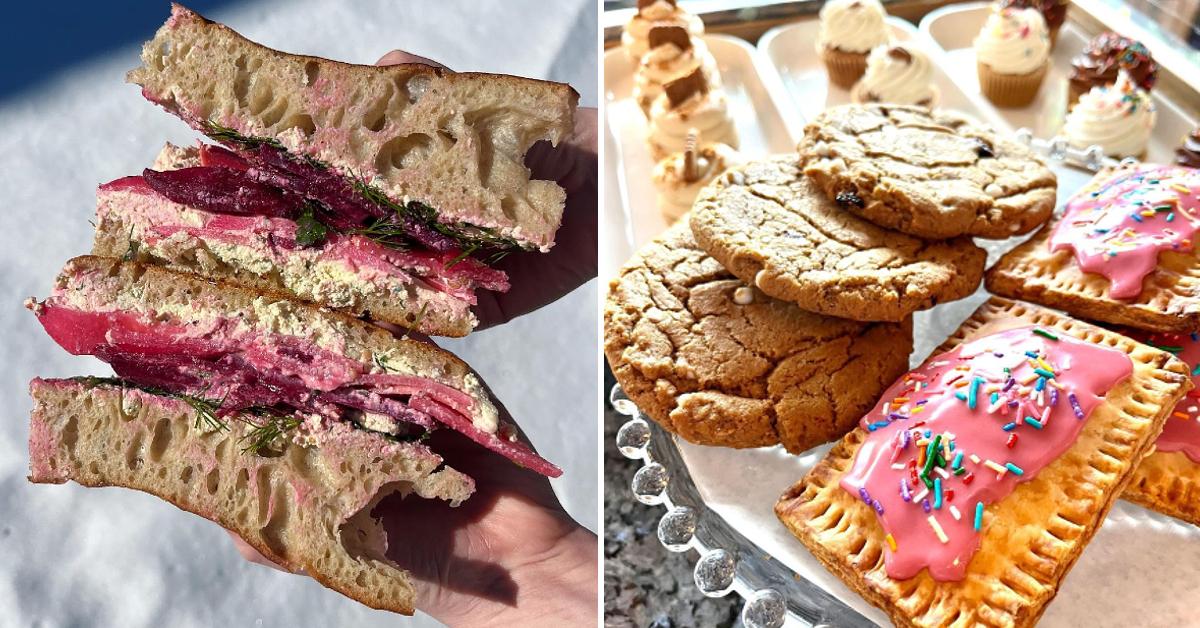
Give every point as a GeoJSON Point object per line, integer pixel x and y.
{"type": "Point", "coordinates": [933, 174]}
{"type": "Point", "coordinates": [720, 363]}
{"type": "Point", "coordinates": [770, 226]}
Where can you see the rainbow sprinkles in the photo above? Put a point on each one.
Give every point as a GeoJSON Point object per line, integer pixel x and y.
{"type": "Point", "coordinates": [960, 432]}
{"type": "Point", "coordinates": [1118, 228]}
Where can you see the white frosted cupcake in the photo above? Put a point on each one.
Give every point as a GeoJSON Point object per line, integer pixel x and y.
{"type": "Point", "coordinates": [1012, 53]}
{"type": "Point", "coordinates": [849, 30]}
{"type": "Point", "coordinates": [687, 103]}
{"type": "Point", "coordinates": [673, 53]}
{"type": "Point", "coordinates": [636, 37]}
{"type": "Point", "coordinates": [898, 74]}
{"type": "Point", "coordinates": [680, 176]}
{"type": "Point", "coordinates": [1118, 118]}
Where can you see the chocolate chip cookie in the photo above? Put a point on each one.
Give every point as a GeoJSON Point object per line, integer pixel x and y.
{"type": "Point", "coordinates": [720, 363]}
{"type": "Point", "coordinates": [772, 227]}
{"type": "Point", "coordinates": [932, 174]}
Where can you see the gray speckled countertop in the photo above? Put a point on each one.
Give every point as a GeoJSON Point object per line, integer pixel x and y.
{"type": "Point", "coordinates": [644, 584]}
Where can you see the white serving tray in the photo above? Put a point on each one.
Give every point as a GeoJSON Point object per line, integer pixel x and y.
{"type": "Point", "coordinates": [631, 210]}
{"type": "Point", "coordinates": [953, 29]}
{"type": "Point", "coordinates": [734, 491]}
{"type": "Point", "coordinates": [792, 55]}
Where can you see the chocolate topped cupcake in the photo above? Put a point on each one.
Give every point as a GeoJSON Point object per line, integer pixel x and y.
{"type": "Point", "coordinates": [1099, 62]}
{"type": "Point", "coordinates": [1054, 11]}
{"type": "Point", "coordinates": [1188, 153]}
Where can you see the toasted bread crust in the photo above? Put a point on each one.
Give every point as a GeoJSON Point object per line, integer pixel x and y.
{"type": "Point", "coordinates": [454, 141]}
{"type": "Point", "coordinates": [305, 509]}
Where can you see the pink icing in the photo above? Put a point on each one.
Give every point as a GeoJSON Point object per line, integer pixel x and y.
{"type": "Point", "coordinates": [1119, 229]}
{"type": "Point", "coordinates": [1181, 432]}
{"type": "Point", "coordinates": [931, 401]}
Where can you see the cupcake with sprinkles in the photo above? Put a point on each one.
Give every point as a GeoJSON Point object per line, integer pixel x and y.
{"type": "Point", "coordinates": [1118, 118]}
{"type": "Point", "coordinates": [1103, 58]}
{"type": "Point", "coordinates": [1012, 53]}
{"type": "Point", "coordinates": [1053, 11]}
{"type": "Point", "coordinates": [1188, 153]}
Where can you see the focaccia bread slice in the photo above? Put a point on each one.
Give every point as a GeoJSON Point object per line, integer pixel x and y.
{"type": "Point", "coordinates": [1034, 535]}
{"type": "Point", "coordinates": [455, 142]}
{"type": "Point", "coordinates": [304, 507]}
{"type": "Point", "coordinates": [1168, 302]}
{"type": "Point", "coordinates": [1168, 482]}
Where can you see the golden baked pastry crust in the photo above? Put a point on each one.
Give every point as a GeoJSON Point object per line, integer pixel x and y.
{"type": "Point", "coordinates": [1168, 482]}
{"type": "Point", "coordinates": [1169, 301]}
{"type": "Point", "coordinates": [1032, 537]}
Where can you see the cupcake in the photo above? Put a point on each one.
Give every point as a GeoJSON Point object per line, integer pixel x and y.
{"type": "Point", "coordinates": [850, 29]}
{"type": "Point", "coordinates": [1103, 57]}
{"type": "Point", "coordinates": [680, 176]}
{"type": "Point", "coordinates": [636, 37]}
{"type": "Point", "coordinates": [673, 53]}
{"type": "Point", "coordinates": [898, 74]}
{"type": "Point", "coordinates": [1053, 11]}
{"type": "Point", "coordinates": [689, 103]}
{"type": "Point", "coordinates": [1012, 53]}
{"type": "Point", "coordinates": [1188, 153]}
{"type": "Point", "coordinates": [1117, 117]}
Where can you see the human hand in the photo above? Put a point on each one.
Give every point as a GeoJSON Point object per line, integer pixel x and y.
{"type": "Point", "coordinates": [541, 278]}
{"type": "Point", "coordinates": [509, 555]}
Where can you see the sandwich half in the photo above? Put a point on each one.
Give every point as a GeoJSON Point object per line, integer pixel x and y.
{"type": "Point", "coordinates": [282, 422]}
{"type": "Point", "coordinates": [198, 210]}
{"type": "Point", "coordinates": [422, 161]}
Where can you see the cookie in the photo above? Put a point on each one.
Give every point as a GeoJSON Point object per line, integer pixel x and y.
{"type": "Point", "coordinates": [1168, 480]}
{"type": "Point", "coordinates": [1122, 253]}
{"type": "Point", "coordinates": [982, 531]}
{"type": "Point", "coordinates": [932, 174]}
{"type": "Point", "coordinates": [771, 227]}
{"type": "Point", "coordinates": [720, 363]}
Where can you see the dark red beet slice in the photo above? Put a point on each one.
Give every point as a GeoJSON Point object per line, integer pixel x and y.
{"type": "Point", "coordinates": [133, 183]}
{"type": "Point", "coordinates": [516, 451]}
{"type": "Point", "coordinates": [212, 155]}
{"type": "Point", "coordinates": [222, 191]}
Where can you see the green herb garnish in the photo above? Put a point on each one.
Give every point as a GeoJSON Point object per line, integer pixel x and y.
{"type": "Point", "coordinates": [266, 427]}
{"type": "Point", "coordinates": [310, 232]}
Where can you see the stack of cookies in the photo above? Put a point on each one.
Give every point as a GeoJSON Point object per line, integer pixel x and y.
{"type": "Point", "coordinates": [961, 492]}
{"type": "Point", "coordinates": [780, 310]}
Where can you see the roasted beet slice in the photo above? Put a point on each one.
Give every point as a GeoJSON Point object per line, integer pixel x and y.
{"type": "Point", "coordinates": [514, 450]}
{"type": "Point", "coordinates": [222, 191]}
{"type": "Point", "coordinates": [212, 155]}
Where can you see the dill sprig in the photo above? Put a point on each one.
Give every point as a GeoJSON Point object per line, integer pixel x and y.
{"type": "Point", "coordinates": [266, 428]}
{"type": "Point", "coordinates": [206, 409]}
{"type": "Point", "coordinates": [469, 237]}
{"type": "Point", "coordinates": [465, 234]}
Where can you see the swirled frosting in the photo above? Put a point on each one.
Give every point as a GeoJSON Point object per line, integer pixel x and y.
{"type": "Point", "coordinates": [852, 25]}
{"type": "Point", "coordinates": [636, 37]}
{"type": "Point", "coordinates": [707, 112]}
{"type": "Point", "coordinates": [675, 193]}
{"type": "Point", "coordinates": [1118, 118]}
{"type": "Point", "coordinates": [1013, 41]}
{"type": "Point", "coordinates": [666, 63]}
{"type": "Point", "coordinates": [897, 74]}
{"type": "Point", "coordinates": [1107, 54]}
{"type": "Point", "coordinates": [1053, 11]}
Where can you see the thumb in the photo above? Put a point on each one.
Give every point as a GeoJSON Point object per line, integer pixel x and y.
{"type": "Point", "coordinates": [397, 57]}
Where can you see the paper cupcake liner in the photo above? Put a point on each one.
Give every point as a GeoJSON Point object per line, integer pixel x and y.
{"type": "Point", "coordinates": [1010, 90]}
{"type": "Point", "coordinates": [844, 68]}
